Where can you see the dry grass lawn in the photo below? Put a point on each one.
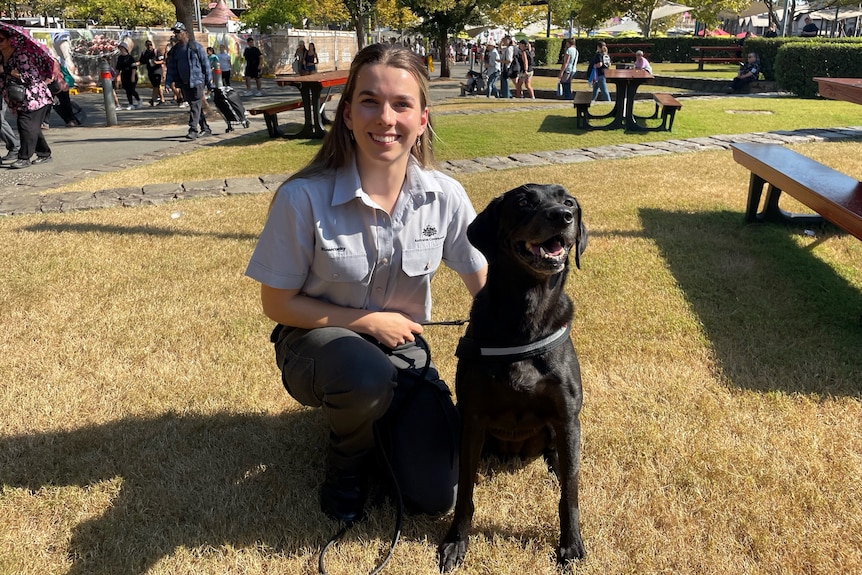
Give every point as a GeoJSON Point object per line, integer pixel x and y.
{"type": "Point", "coordinates": [145, 429]}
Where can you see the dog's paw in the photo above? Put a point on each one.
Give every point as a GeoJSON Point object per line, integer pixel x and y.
{"type": "Point", "coordinates": [452, 554]}
{"type": "Point", "coordinates": [571, 552]}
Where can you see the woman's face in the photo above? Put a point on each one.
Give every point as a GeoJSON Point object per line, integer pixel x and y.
{"type": "Point", "coordinates": [385, 114]}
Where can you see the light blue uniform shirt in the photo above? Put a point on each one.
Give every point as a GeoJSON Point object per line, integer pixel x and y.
{"type": "Point", "coordinates": [326, 237]}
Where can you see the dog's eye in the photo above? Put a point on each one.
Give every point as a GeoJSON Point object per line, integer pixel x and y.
{"type": "Point", "coordinates": [523, 203]}
{"type": "Point", "coordinates": [569, 202]}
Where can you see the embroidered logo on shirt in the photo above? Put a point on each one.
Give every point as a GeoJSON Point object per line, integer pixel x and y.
{"type": "Point", "coordinates": [429, 231]}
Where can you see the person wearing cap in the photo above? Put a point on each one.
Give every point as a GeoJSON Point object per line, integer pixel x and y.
{"type": "Point", "coordinates": [189, 69]}
{"type": "Point", "coordinates": [492, 68]}
{"type": "Point", "coordinates": [153, 60]}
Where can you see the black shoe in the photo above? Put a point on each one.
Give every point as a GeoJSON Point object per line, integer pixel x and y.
{"type": "Point", "coordinates": [41, 160]}
{"type": "Point", "coordinates": [19, 163]}
{"type": "Point", "coordinates": [192, 135]}
{"type": "Point", "coordinates": [9, 157]}
{"type": "Point", "coordinates": [345, 489]}
{"type": "Point", "coordinates": [206, 133]}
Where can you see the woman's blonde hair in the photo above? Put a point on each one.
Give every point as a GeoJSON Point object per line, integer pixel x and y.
{"type": "Point", "coordinates": [337, 149]}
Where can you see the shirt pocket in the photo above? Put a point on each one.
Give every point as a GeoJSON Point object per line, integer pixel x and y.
{"type": "Point", "coordinates": [420, 261]}
{"type": "Point", "coordinates": [338, 267]}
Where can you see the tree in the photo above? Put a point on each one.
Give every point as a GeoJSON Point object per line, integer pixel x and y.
{"type": "Point", "coordinates": [266, 15]}
{"type": "Point", "coordinates": [442, 19]}
{"type": "Point", "coordinates": [138, 13]}
{"type": "Point", "coordinates": [513, 17]}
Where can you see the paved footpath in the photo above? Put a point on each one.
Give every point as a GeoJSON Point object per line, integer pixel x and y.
{"type": "Point", "coordinates": [145, 136]}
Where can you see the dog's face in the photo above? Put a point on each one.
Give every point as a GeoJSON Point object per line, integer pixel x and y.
{"type": "Point", "coordinates": [537, 225]}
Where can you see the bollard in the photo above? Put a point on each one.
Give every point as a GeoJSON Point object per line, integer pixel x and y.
{"type": "Point", "coordinates": [108, 93]}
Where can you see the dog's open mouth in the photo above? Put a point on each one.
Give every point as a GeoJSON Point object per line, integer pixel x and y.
{"type": "Point", "coordinates": [549, 254]}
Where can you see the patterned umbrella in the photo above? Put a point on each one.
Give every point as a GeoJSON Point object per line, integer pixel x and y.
{"type": "Point", "coordinates": [37, 54]}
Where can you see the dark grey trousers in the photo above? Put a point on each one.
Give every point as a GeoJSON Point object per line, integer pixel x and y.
{"type": "Point", "coordinates": [358, 382]}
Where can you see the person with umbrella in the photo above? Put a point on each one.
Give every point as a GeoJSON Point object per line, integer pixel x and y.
{"type": "Point", "coordinates": [25, 63]}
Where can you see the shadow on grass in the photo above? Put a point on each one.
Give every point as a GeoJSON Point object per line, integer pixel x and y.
{"type": "Point", "coordinates": [778, 317]}
{"type": "Point", "coordinates": [130, 230]}
{"type": "Point", "coordinates": [197, 482]}
{"type": "Point", "coordinates": [560, 124]}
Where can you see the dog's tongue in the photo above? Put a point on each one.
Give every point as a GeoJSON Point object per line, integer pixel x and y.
{"type": "Point", "coordinates": [552, 247]}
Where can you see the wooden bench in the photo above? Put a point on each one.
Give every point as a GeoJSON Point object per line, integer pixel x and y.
{"type": "Point", "coordinates": [835, 196]}
{"type": "Point", "coordinates": [627, 50]}
{"type": "Point", "coordinates": [581, 101]}
{"type": "Point", "coordinates": [271, 111]}
{"type": "Point", "coordinates": [719, 59]}
{"type": "Point", "coordinates": [669, 106]}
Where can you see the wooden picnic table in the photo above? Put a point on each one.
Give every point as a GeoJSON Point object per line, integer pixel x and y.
{"type": "Point", "coordinates": [717, 59]}
{"type": "Point", "coordinates": [846, 89]}
{"type": "Point", "coordinates": [310, 88]}
{"type": "Point", "coordinates": [627, 50]}
{"type": "Point", "coordinates": [627, 83]}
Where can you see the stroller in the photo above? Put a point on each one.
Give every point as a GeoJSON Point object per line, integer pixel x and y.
{"type": "Point", "coordinates": [475, 84]}
{"type": "Point", "coordinates": [227, 101]}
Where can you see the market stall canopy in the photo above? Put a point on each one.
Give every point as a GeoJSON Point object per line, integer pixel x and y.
{"type": "Point", "coordinates": [669, 9]}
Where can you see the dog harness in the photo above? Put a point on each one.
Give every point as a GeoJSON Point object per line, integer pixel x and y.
{"type": "Point", "coordinates": [469, 348]}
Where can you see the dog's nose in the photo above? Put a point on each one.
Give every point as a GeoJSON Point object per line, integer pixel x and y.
{"type": "Point", "coordinates": [563, 215]}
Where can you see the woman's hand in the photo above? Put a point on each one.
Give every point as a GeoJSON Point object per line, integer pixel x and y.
{"type": "Point", "coordinates": [390, 328]}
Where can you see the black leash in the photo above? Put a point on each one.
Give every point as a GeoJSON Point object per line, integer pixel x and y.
{"type": "Point", "coordinates": [399, 502]}
{"type": "Point", "coordinates": [447, 322]}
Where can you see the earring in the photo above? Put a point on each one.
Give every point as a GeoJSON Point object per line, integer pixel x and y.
{"type": "Point", "coordinates": [350, 133]}
{"type": "Point", "coordinates": [419, 143]}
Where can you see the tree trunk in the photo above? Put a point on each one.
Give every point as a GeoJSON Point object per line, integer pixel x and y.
{"type": "Point", "coordinates": [442, 42]}
{"type": "Point", "coordinates": [185, 14]}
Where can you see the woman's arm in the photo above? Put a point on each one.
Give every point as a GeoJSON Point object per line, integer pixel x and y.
{"type": "Point", "coordinates": [289, 307]}
{"type": "Point", "coordinates": [475, 280]}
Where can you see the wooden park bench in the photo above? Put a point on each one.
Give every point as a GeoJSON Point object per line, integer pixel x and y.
{"type": "Point", "coordinates": [669, 106]}
{"type": "Point", "coordinates": [836, 197]}
{"type": "Point", "coordinates": [271, 111]}
{"type": "Point", "coordinates": [581, 102]}
{"type": "Point", "coordinates": [719, 58]}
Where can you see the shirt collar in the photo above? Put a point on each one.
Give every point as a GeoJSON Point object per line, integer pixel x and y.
{"type": "Point", "coordinates": [420, 184]}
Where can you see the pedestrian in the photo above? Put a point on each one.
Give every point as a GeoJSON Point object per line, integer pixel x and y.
{"type": "Point", "coordinates": [154, 62]}
{"type": "Point", "coordinates": [567, 69]}
{"type": "Point", "coordinates": [507, 55]}
{"type": "Point", "coordinates": [492, 68]}
{"type": "Point", "coordinates": [810, 30]}
{"type": "Point", "coordinates": [345, 262]}
{"type": "Point", "coordinates": [525, 77]}
{"type": "Point", "coordinates": [600, 62]}
{"type": "Point", "coordinates": [311, 61]}
{"type": "Point", "coordinates": [8, 135]}
{"type": "Point", "coordinates": [215, 66]}
{"type": "Point", "coordinates": [127, 67]}
{"type": "Point", "coordinates": [771, 32]}
{"type": "Point", "coordinates": [224, 64]}
{"type": "Point", "coordinates": [189, 70]}
{"type": "Point", "coordinates": [26, 65]}
{"type": "Point", "coordinates": [252, 57]}
{"type": "Point", "coordinates": [299, 57]}
{"type": "Point", "coordinates": [59, 86]}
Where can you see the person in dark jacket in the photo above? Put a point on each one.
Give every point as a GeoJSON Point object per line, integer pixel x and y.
{"type": "Point", "coordinates": [127, 66]}
{"type": "Point", "coordinates": [189, 69]}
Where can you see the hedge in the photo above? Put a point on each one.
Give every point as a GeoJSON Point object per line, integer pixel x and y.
{"type": "Point", "coordinates": [797, 64]}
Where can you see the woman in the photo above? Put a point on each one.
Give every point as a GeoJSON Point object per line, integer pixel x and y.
{"type": "Point", "coordinates": [567, 69]}
{"type": "Point", "coordinates": [492, 68]}
{"type": "Point", "coordinates": [345, 260]}
{"type": "Point", "coordinates": [224, 64]}
{"type": "Point", "coordinates": [127, 67]}
{"type": "Point", "coordinates": [525, 78]}
{"type": "Point", "coordinates": [19, 63]}
{"type": "Point", "coordinates": [600, 62]}
{"type": "Point", "coordinates": [310, 60]}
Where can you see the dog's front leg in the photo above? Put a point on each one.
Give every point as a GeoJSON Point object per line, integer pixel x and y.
{"type": "Point", "coordinates": [454, 545]}
{"type": "Point", "coordinates": [569, 452]}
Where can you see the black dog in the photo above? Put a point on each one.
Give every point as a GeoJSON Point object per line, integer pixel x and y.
{"type": "Point", "coordinates": [518, 380]}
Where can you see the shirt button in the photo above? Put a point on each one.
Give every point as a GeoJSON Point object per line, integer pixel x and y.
{"type": "Point", "coordinates": [384, 261]}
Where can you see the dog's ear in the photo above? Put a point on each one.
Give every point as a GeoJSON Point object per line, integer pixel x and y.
{"type": "Point", "coordinates": [483, 231]}
{"type": "Point", "coordinates": [581, 239]}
